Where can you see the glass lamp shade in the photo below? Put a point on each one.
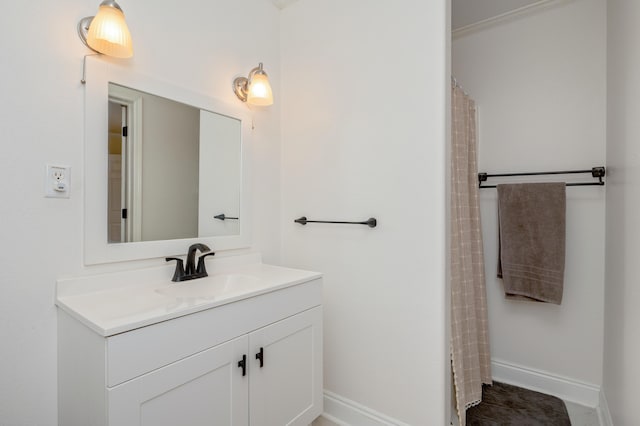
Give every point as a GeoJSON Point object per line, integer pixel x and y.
{"type": "Point", "coordinates": [109, 34]}
{"type": "Point", "coordinates": [259, 91]}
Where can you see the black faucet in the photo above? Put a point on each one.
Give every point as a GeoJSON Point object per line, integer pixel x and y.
{"type": "Point", "coordinates": [191, 272]}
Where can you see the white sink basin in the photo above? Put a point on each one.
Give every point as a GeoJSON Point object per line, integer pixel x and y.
{"type": "Point", "coordinates": [114, 303]}
{"type": "Point", "coordinates": [210, 287]}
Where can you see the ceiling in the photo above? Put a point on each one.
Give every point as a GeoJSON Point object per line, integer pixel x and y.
{"type": "Point", "coordinates": [467, 12]}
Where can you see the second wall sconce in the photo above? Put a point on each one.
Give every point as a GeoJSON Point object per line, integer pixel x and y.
{"type": "Point", "coordinates": [255, 89]}
{"type": "Point", "coordinates": [107, 32]}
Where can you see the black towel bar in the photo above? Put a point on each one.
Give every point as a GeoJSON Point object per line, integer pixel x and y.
{"type": "Point", "coordinates": [596, 173]}
{"type": "Point", "coordinates": [372, 222]}
{"type": "Point", "coordinates": [223, 217]}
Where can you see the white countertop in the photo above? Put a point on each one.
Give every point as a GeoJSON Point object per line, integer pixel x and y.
{"type": "Point", "coordinates": [118, 302]}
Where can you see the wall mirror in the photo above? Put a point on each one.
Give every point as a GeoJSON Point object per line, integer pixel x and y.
{"type": "Point", "coordinates": [164, 167]}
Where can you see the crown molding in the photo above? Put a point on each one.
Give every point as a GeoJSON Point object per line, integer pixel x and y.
{"type": "Point", "coordinates": [506, 17]}
{"type": "Point", "coordinates": [281, 4]}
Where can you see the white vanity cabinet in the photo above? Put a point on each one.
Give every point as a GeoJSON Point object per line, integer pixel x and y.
{"type": "Point", "coordinates": [188, 370]}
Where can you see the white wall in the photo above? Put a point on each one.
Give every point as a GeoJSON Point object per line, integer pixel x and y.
{"type": "Point", "coordinates": [198, 45]}
{"type": "Point", "coordinates": [540, 85]}
{"type": "Point", "coordinates": [363, 123]}
{"type": "Point", "coordinates": [622, 292]}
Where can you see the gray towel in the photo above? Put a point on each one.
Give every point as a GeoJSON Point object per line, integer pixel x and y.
{"type": "Point", "coordinates": [531, 231]}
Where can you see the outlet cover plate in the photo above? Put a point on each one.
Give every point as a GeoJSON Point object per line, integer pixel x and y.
{"type": "Point", "coordinates": [57, 181]}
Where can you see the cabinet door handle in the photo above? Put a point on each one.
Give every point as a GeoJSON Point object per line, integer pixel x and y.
{"type": "Point", "coordinates": [260, 356]}
{"type": "Point", "coordinates": [243, 364]}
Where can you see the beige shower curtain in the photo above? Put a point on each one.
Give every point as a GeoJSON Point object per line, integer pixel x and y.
{"type": "Point", "coordinates": [470, 356]}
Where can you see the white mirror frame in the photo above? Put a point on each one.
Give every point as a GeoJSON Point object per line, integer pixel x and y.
{"type": "Point", "coordinates": [96, 248]}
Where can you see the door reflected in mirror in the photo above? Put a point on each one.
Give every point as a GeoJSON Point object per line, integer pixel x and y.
{"type": "Point", "coordinates": [172, 168]}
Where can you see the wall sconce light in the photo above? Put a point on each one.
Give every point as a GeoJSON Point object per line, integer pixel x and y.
{"type": "Point", "coordinates": [107, 32]}
{"type": "Point", "coordinates": [255, 89]}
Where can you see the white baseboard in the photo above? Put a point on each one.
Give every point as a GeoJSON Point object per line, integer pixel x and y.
{"type": "Point", "coordinates": [542, 381]}
{"type": "Point", "coordinates": [603, 411]}
{"type": "Point", "coordinates": [345, 412]}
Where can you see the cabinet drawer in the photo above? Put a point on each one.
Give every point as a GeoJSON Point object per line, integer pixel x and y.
{"type": "Point", "coordinates": [136, 352]}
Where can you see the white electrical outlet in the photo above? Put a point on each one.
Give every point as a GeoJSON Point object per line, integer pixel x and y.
{"type": "Point", "coordinates": [57, 181]}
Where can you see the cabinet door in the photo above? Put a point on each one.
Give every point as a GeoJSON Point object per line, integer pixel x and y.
{"type": "Point", "coordinates": [205, 389]}
{"type": "Point", "coordinates": [287, 389]}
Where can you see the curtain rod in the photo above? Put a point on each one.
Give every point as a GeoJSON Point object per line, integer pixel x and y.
{"type": "Point", "coordinates": [596, 173]}
{"type": "Point", "coordinates": [454, 81]}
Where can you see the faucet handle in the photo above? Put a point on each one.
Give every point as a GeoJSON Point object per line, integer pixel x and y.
{"type": "Point", "coordinates": [178, 274]}
{"type": "Point", "coordinates": [202, 268]}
